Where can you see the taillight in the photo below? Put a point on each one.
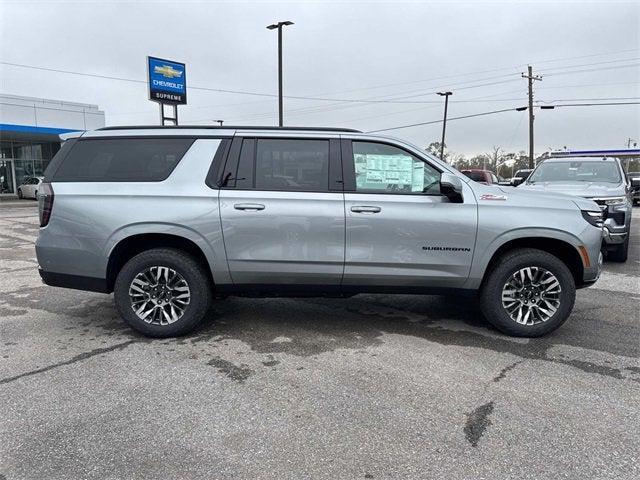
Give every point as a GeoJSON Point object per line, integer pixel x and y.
{"type": "Point", "coordinates": [45, 203]}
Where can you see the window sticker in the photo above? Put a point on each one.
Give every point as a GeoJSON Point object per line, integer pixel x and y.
{"type": "Point", "coordinates": [390, 172]}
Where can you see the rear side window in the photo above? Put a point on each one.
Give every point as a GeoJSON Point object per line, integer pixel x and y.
{"type": "Point", "coordinates": [288, 164]}
{"type": "Point", "coordinates": [122, 160]}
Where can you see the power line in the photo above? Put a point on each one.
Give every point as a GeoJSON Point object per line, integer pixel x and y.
{"type": "Point", "coordinates": [590, 64]}
{"type": "Point", "coordinates": [426, 80]}
{"type": "Point", "coordinates": [514, 109]}
{"type": "Point", "coordinates": [220, 90]}
{"type": "Point", "coordinates": [440, 121]}
{"type": "Point", "coordinates": [592, 69]}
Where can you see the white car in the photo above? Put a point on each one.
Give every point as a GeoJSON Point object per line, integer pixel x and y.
{"type": "Point", "coordinates": [29, 187]}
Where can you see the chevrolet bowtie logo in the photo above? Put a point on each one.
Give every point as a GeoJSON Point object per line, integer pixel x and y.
{"type": "Point", "coordinates": [167, 71]}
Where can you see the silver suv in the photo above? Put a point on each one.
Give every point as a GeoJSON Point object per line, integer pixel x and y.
{"type": "Point", "coordinates": [169, 218]}
{"type": "Point", "coordinates": [602, 180]}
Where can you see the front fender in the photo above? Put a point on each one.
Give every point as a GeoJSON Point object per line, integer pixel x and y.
{"type": "Point", "coordinates": [481, 262]}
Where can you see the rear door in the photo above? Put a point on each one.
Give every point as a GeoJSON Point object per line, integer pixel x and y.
{"type": "Point", "coordinates": [282, 211]}
{"type": "Point", "coordinates": [400, 231]}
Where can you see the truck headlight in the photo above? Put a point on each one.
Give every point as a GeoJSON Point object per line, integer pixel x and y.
{"type": "Point", "coordinates": [612, 201]}
{"type": "Point", "coordinates": [595, 218]}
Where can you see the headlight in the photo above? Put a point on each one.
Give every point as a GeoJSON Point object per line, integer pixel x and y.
{"type": "Point", "coordinates": [594, 218]}
{"type": "Point", "coordinates": [611, 200]}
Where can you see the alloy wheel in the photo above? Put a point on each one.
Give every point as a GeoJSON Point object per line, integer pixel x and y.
{"type": "Point", "coordinates": [531, 295]}
{"type": "Point", "coordinates": [159, 295]}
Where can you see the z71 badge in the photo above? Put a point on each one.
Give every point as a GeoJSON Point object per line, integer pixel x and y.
{"type": "Point", "coordinates": [491, 196]}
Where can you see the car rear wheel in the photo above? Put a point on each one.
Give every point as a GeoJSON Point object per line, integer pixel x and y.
{"type": "Point", "coordinates": [163, 293]}
{"type": "Point", "coordinates": [528, 293]}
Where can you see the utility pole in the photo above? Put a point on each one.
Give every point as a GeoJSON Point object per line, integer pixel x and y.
{"type": "Point", "coordinates": [444, 123]}
{"type": "Point", "coordinates": [531, 78]}
{"type": "Point", "coordinates": [279, 26]}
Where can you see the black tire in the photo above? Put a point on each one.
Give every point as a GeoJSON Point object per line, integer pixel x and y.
{"type": "Point", "coordinates": [20, 194]}
{"type": "Point", "coordinates": [193, 273]}
{"type": "Point", "coordinates": [620, 253]}
{"type": "Point", "coordinates": [35, 195]}
{"type": "Point", "coordinates": [507, 265]}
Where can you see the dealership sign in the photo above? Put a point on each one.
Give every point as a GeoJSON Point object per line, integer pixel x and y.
{"type": "Point", "coordinates": [167, 81]}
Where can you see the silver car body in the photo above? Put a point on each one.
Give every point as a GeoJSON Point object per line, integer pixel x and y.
{"type": "Point", "coordinates": [327, 240]}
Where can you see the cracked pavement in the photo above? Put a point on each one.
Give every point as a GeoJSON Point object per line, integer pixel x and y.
{"type": "Point", "coordinates": [374, 386]}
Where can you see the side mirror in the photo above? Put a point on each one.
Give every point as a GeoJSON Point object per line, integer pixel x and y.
{"type": "Point", "coordinates": [635, 182]}
{"type": "Point", "coordinates": [517, 181]}
{"type": "Point", "coordinates": [451, 187]}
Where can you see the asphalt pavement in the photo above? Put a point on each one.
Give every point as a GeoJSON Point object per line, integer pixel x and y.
{"type": "Point", "coordinates": [374, 386]}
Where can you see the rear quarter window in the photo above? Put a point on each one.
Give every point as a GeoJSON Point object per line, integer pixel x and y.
{"type": "Point", "coordinates": [122, 160]}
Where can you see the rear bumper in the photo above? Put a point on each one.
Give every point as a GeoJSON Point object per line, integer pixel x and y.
{"type": "Point", "coordinates": [77, 282]}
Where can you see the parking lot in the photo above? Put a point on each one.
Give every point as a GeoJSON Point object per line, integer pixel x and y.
{"type": "Point", "coordinates": [373, 386]}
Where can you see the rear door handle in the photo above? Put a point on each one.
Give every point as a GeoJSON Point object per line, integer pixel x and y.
{"type": "Point", "coordinates": [251, 207]}
{"type": "Point", "coordinates": [365, 209]}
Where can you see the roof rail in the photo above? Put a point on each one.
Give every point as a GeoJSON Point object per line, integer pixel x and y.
{"type": "Point", "coordinates": [230, 127]}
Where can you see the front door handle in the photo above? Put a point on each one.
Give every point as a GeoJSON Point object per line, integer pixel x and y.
{"type": "Point", "coordinates": [365, 209]}
{"type": "Point", "coordinates": [251, 207]}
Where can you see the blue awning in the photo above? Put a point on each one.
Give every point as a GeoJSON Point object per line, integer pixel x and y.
{"type": "Point", "coordinates": [7, 127]}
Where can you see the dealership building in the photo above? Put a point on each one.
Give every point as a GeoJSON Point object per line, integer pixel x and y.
{"type": "Point", "coordinates": [29, 134]}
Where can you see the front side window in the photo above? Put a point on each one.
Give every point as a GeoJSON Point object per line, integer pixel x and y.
{"type": "Point", "coordinates": [122, 160]}
{"type": "Point", "coordinates": [292, 164]}
{"type": "Point", "coordinates": [388, 169]}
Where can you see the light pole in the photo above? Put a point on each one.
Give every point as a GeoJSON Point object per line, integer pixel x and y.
{"type": "Point", "coordinates": [444, 123]}
{"type": "Point", "coordinates": [279, 26]}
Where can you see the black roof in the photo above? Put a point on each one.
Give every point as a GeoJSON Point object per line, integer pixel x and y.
{"type": "Point", "coordinates": [229, 127]}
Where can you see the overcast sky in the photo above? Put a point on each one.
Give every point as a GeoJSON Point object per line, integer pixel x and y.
{"type": "Point", "coordinates": [393, 51]}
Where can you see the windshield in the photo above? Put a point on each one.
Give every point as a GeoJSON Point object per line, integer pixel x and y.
{"type": "Point", "coordinates": [576, 171]}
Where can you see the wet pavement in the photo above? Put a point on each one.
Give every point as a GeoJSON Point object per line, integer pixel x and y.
{"type": "Point", "coordinates": [374, 386]}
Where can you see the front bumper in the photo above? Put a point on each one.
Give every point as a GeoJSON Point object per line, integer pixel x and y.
{"type": "Point", "coordinates": [612, 236]}
{"type": "Point", "coordinates": [617, 222]}
{"type": "Point", "coordinates": [590, 279]}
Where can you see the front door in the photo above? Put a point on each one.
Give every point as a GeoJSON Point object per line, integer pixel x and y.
{"type": "Point", "coordinates": [400, 231]}
{"type": "Point", "coordinates": [281, 222]}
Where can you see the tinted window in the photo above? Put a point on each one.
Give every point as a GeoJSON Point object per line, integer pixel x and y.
{"type": "Point", "coordinates": [122, 160]}
{"type": "Point", "coordinates": [476, 176]}
{"type": "Point", "coordinates": [301, 165]}
{"type": "Point", "coordinates": [385, 168]}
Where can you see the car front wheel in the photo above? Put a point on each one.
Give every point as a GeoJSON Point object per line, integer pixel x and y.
{"type": "Point", "coordinates": [163, 292]}
{"type": "Point", "coordinates": [528, 293]}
